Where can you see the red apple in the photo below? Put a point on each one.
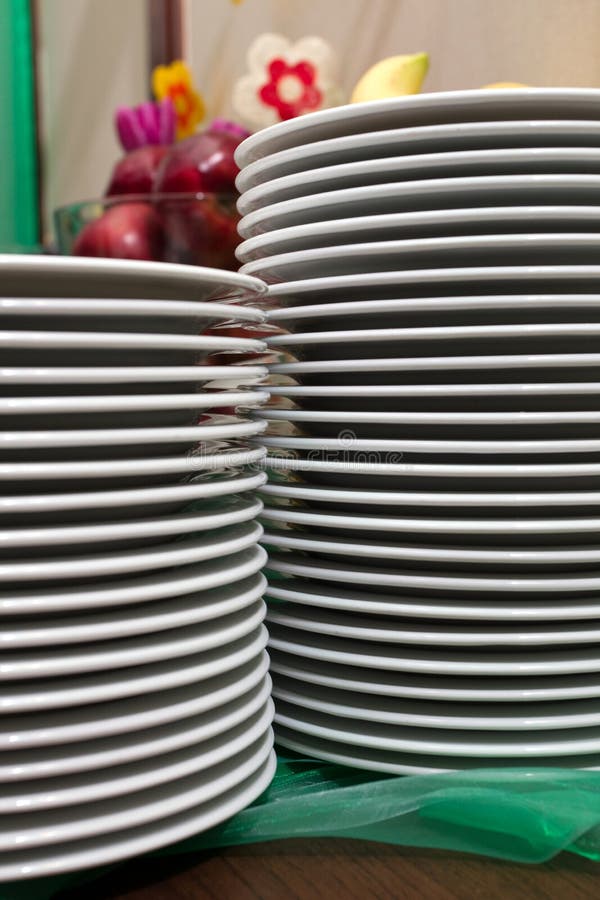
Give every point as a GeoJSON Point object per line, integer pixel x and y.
{"type": "Point", "coordinates": [201, 163]}
{"type": "Point", "coordinates": [124, 231]}
{"type": "Point", "coordinates": [135, 172]}
{"type": "Point", "coordinates": [201, 232]}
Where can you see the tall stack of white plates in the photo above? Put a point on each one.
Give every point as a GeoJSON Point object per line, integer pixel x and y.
{"type": "Point", "coordinates": [433, 509]}
{"type": "Point", "coordinates": [134, 696]}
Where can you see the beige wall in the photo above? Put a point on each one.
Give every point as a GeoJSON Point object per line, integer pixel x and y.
{"type": "Point", "coordinates": [471, 42]}
{"type": "Point", "coordinates": [95, 57]}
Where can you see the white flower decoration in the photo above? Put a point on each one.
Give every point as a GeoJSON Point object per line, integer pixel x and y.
{"type": "Point", "coordinates": [285, 80]}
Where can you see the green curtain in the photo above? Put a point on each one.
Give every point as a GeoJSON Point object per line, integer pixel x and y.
{"type": "Point", "coordinates": [18, 165]}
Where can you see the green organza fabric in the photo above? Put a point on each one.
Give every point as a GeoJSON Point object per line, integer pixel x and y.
{"type": "Point", "coordinates": [524, 815]}
{"type": "Point", "coordinates": [18, 172]}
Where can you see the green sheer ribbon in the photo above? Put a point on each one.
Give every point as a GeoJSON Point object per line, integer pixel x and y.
{"type": "Point", "coordinates": [523, 815]}
{"type": "Point", "coordinates": [18, 170]}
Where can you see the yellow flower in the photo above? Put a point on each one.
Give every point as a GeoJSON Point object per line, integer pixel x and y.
{"type": "Point", "coordinates": [175, 82]}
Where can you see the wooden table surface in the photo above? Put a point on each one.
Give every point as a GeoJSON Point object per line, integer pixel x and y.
{"type": "Point", "coordinates": [342, 870]}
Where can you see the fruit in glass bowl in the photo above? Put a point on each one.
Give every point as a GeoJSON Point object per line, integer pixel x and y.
{"type": "Point", "coordinates": [196, 229]}
{"type": "Point", "coordinates": [174, 203]}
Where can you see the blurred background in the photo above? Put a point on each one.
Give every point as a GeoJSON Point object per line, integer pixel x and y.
{"type": "Point", "coordinates": [92, 55]}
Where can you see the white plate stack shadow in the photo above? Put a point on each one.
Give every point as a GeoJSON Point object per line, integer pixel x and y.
{"type": "Point", "coordinates": [433, 507]}
{"type": "Point", "coordinates": [135, 701]}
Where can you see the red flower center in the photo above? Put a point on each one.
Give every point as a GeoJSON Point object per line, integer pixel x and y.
{"type": "Point", "coordinates": [291, 90]}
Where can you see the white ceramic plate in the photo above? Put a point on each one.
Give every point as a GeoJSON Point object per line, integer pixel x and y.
{"type": "Point", "coordinates": [85, 598]}
{"type": "Point", "coordinates": [513, 528]}
{"type": "Point", "coordinates": [133, 842]}
{"type": "Point", "coordinates": [437, 660]}
{"type": "Point", "coordinates": [426, 139]}
{"type": "Point", "coordinates": [346, 441]}
{"type": "Point", "coordinates": [424, 224]}
{"type": "Point", "coordinates": [58, 760]}
{"type": "Point", "coordinates": [127, 778]}
{"type": "Point", "coordinates": [215, 428]}
{"type": "Point", "coordinates": [24, 375]}
{"type": "Point", "coordinates": [381, 256]}
{"type": "Point", "coordinates": [410, 763]}
{"type": "Point", "coordinates": [493, 557]}
{"type": "Point", "coordinates": [131, 410]}
{"type": "Point", "coordinates": [446, 499]}
{"type": "Point", "coordinates": [23, 831]}
{"type": "Point", "coordinates": [229, 511]}
{"type": "Point", "coordinates": [135, 651]}
{"type": "Point", "coordinates": [379, 400]}
{"type": "Point", "coordinates": [493, 584]}
{"type": "Point", "coordinates": [519, 423]}
{"type": "Point", "coordinates": [121, 735]}
{"type": "Point", "coordinates": [346, 472]}
{"type": "Point", "coordinates": [126, 502]}
{"type": "Point", "coordinates": [121, 349]}
{"type": "Point", "coordinates": [431, 193]}
{"type": "Point", "coordinates": [228, 457]}
{"type": "Point", "coordinates": [148, 618]}
{"type": "Point", "coordinates": [111, 741]}
{"type": "Point", "coordinates": [42, 695]}
{"type": "Point", "coordinates": [29, 406]}
{"type": "Point", "coordinates": [361, 624]}
{"type": "Point", "coordinates": [445, 334]}
{"type": "Point", "coordinates": [429, 417]}
{"type": "Point", "coordinates": [78, 277]}
{"type": "Point", "coordinates": [555, 363]}
{"type": "Point", "coordinates": [396, 711]}
{"type": "Point", "coordinates": [99, 340]}
{"type": "Point", "coordinates": [450, 688]}
{"type": "Point", "coordinates": [409, 167]}
{"type": "Point", "coordinates": [391, 312]}
{"type": "Point", "coordinates": [567, 742]}
{"type": "Point", "coordinates": [461, 390]}
{"type": "Point", "coordinates": [466, 609]}
{"type": "Point", "coordinates": [132, 729]}
{"type": "Point", "coordinates": [379, 285]}
{"type": "Point", "coordinates": [453, 107]}
{"type": "Point", "coordinates": [145, 311]}
{"type": "Point", "coordinates": [174, 553]}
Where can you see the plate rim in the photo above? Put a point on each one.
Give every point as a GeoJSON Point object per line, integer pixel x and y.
{"type": "Point", "coordinates": [253, 198]}
{"type": "Point", "coordinates": [49, 470]}
{"type": "Point", "coordinates": [397, 247]}
{"type": "Point", "coordinates": [41, 264]}
{"type": "Point", "coordinates": [39, 663]}
{"type": "Point", "coordinates": [361, 575]}
{"type": "Point", "coordinates": [415, 134]}
{"type": "Point", "coordinates": [257, 145]}
{"type": "Point", "coordinates": [200, 374]}
{"type": "Point", "coordinates": [371, 280]}
{"type": "Point", "coordinates": [88, 307]}
{"type": "Point", "coordinates": [47, 632]}
{"type": "Point", "coordinates": [158, 834]}
{"type": "Point", "coordinates": [214, 664]}
{"type": "Point", "coordinates": [239, 537]}
{"type": "Point", "coordinates": [263, 241]}
{"type": "Point", "coordinates": [105, 823]}
{"type": "Point", "coordinates": [259, 219]}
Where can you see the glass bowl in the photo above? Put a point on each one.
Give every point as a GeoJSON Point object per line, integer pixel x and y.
{"type": "Point", "coordinates": [195, 229]}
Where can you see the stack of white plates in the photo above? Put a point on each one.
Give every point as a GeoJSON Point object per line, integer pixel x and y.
{"type": "Point", "coordinates": [434, 502]}
{"type": "Point", "coordinates": [135, 704]}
